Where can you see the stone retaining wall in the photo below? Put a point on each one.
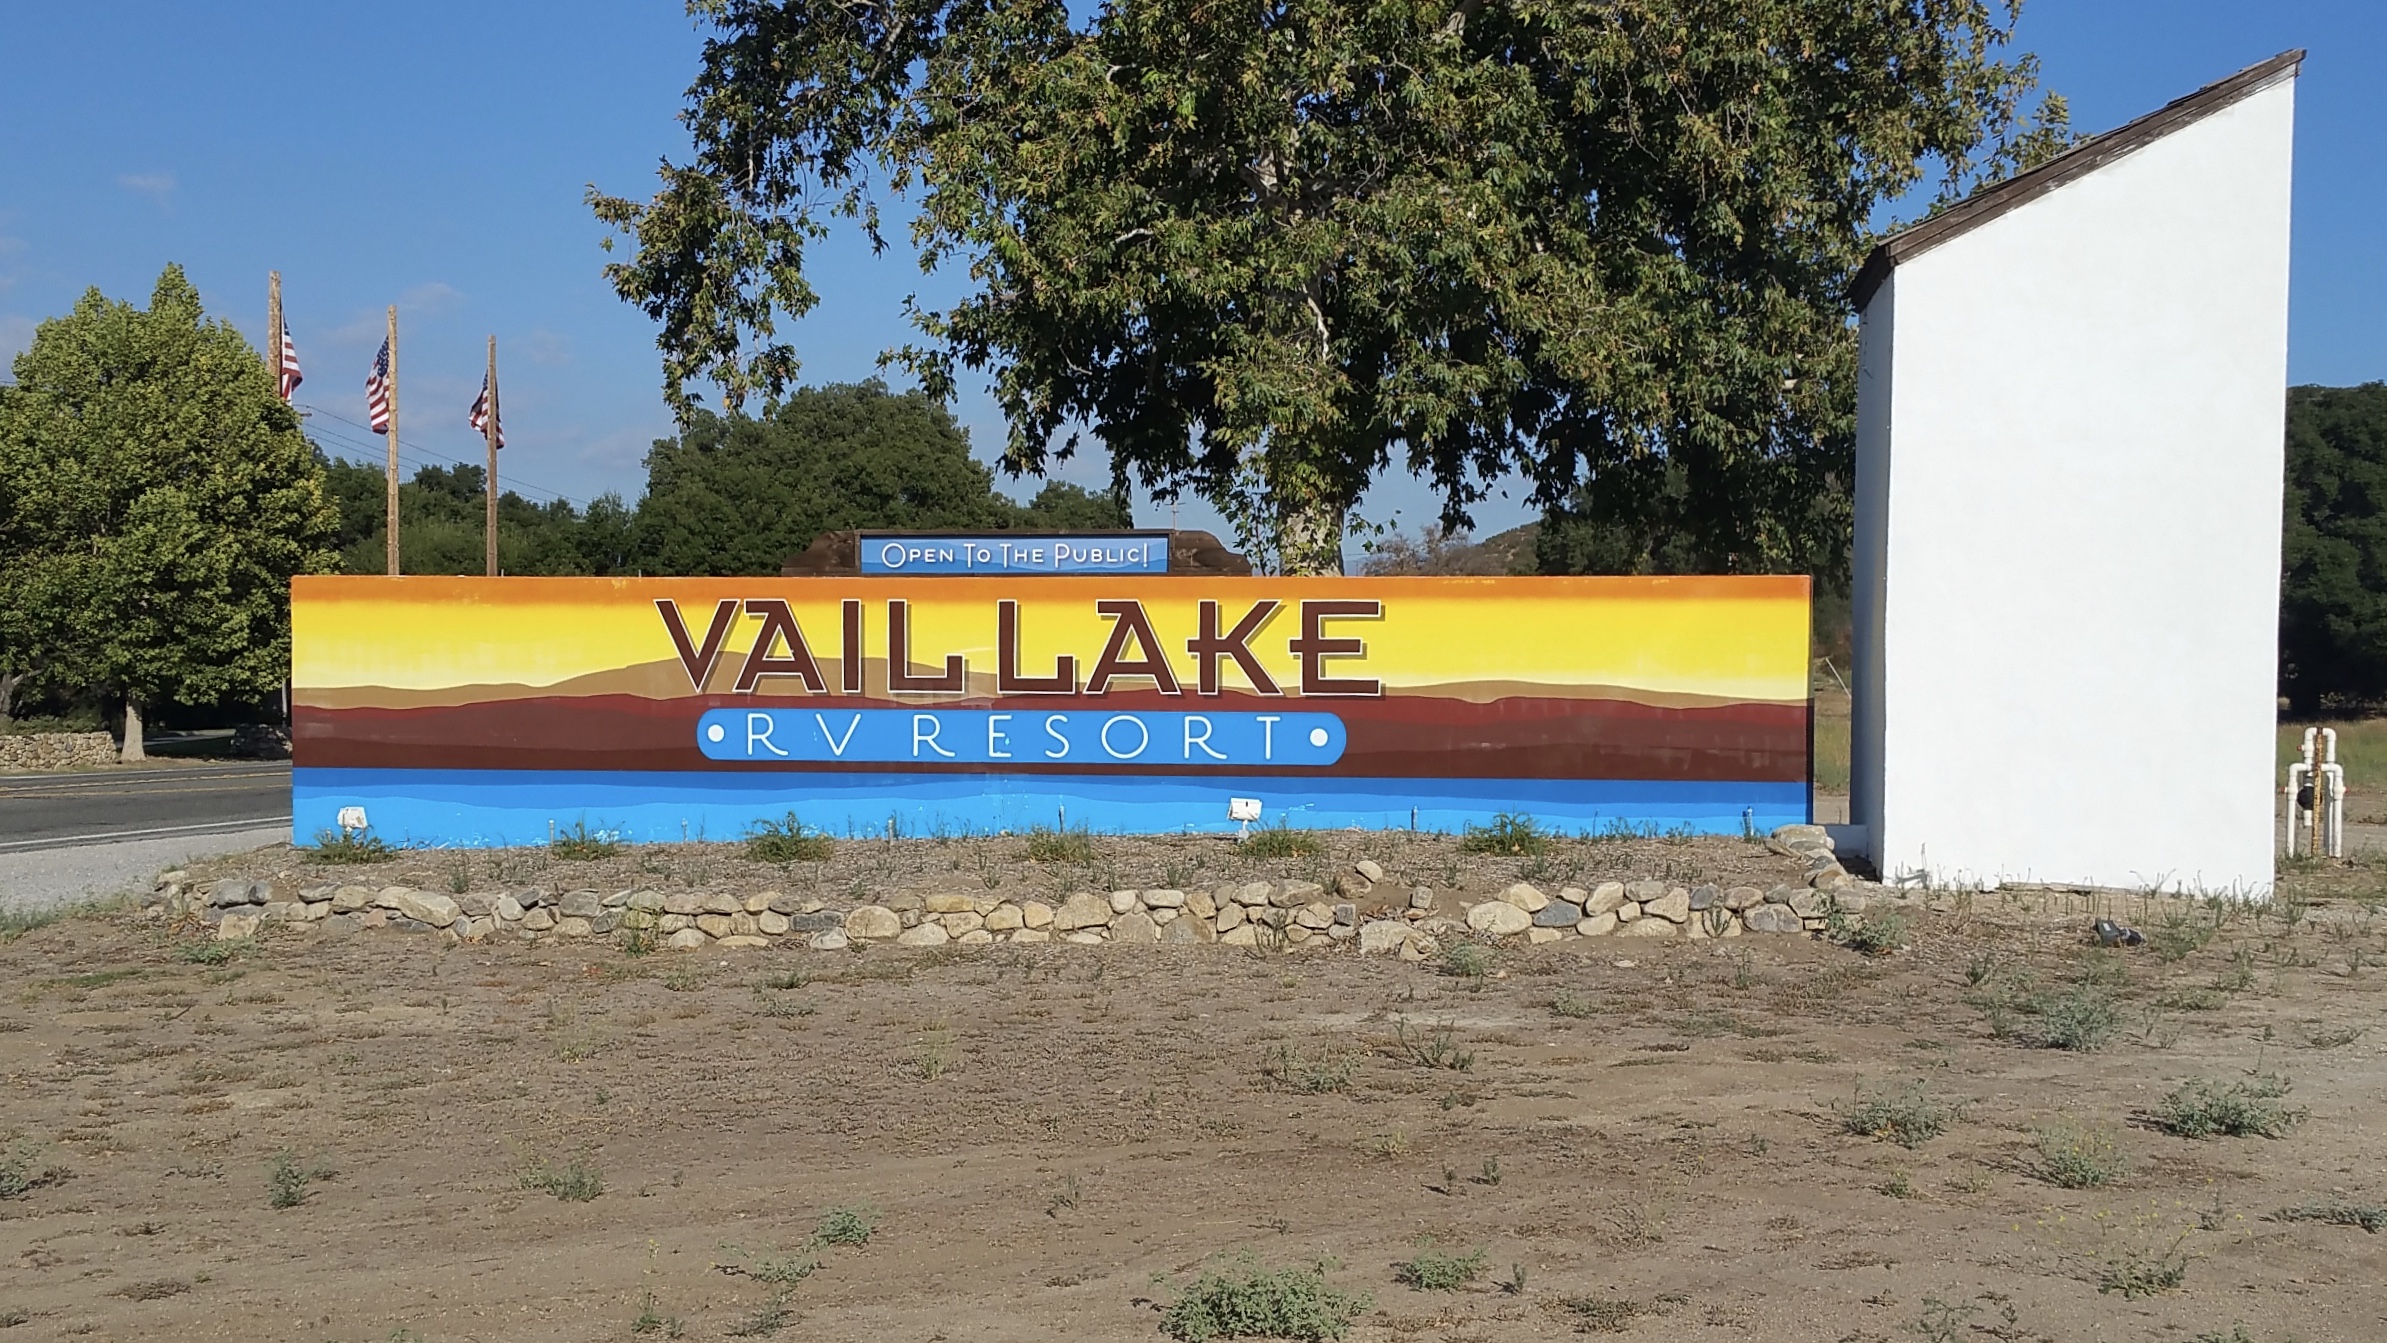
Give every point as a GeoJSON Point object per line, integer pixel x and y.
{"type": "Point", "coordinates": [1365, 914]}
{"type": "Point", "coordinates": [57, 750]}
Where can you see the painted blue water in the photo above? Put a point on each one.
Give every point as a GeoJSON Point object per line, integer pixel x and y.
{"type": "Point", "coordinates": [493, 808]}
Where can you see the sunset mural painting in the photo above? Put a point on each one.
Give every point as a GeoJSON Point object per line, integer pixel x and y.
{"type": "Point", "coordinates": [481, 712]}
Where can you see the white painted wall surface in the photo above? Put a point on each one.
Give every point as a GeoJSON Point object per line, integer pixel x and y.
{"type": "Point", "coordinates": [2069, 488]}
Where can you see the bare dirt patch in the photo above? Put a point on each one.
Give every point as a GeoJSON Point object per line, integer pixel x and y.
{"type": "Point", "coordinates": [1768, 1138]}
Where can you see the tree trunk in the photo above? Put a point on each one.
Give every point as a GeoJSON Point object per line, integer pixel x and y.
{"type": "Point", "coordinates": [1309, 538]}
{"type": "Point", "coordinates": [9, 681]}
{"type": "Point", "coordinates": [132, 732]}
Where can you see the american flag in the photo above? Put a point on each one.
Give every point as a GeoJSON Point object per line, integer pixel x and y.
{"type": "Point", "coordinates": [481, 410]}
{"type": "Point", "coordinates": [291, 377]}
{"type": "Point", "coordinates": [377, 390]}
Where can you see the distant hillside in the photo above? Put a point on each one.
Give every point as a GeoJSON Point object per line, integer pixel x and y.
{"type": "Point", "coordinates": [1434, 552]}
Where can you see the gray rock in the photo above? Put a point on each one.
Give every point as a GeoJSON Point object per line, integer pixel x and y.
{"type": "Point", "coordinates": [350, 899]}
{"type": "Point", "coordinates": [1164, 899]}
{"type": "Point", "coordinates": [1771, 919]}
{"type": "Point", "coordinates": [1421, 897]}
{"type": "Point", "coordinates": [571, 925]}
{"type": "Point", "coordinates": [424, 907]}
{"type": "Point", "coordinates": [228, 894]}
{"type": "Point", "coordinates": [1250, 895]}
{"type": "Point", "coordinates": [1341, 932]}
{"type": "Point", "coordinates": [619, 899]}
{"type": "Point", "coordinates": [873, 922]}
{"type": "Point", "coordinates": [282, 911]}
{"type": "Point", "coordinates": [1135, 927]}
{"type": "Point", "coordinates": [1743, 897]}
{"type": "Point", "coordinates": [1604, 898]}
{"type": "Point", "coordinates": [1803, 834]}
{"type": "Point", "coordinates": [605, 922]}
{"type": "Point", "coordinates": [1780, 895]}
{"type": "Point", "coordinates": [580, 905]}
{"type": "Point", "coordinates": [1187, 930]}
{"type": "Point", "coordinates": [1642, 892]}
{"type": "Point", "coordinates": [1122, 901]}
{"type": "Point", "coordinates": [686, 939]}
{"type": "Point", "coordinates": [1558, 914]}
{"type": "Point", "coordinates": [647, 902]}
{"type": "Point", "coordinates": [507, 908]}
{"type": "Point", "coordinates": [1382, 937]}
{"type": "Point", "coordinates": [719, 903]}
{"type": "Point", "coordinates": [1369, 868]}
{"type": "Point", "coordinates": [1706, 897]}
{"type": "Point", "coordinates": [683, 902]}
{"type": "Point", "coordinates": [478, 904]}
{"type": "Point", "coordinates": [1346, 915]}
{"type": "Point", "coordinates": [340, 925]}
{"type": "Point", "coordinates": [532, 897]}
{"type": "Point", "coordinates": [321, 890]}
{"type": "Point", "coordinates": [928, 933]}
{"type": "Point", "coordinates": [233, 926]}
{"type": "Point", "coordinates": [819, 921]}
{"type": "Point", "coordinates": [537, 921]}
{"type": "Point", "coordinates": [1674, 906]}
{"type": "Point", "coordinates": [833, 939]}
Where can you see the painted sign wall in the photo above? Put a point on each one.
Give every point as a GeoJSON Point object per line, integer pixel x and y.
{"type": "Point", "coordinates": [474, 711]}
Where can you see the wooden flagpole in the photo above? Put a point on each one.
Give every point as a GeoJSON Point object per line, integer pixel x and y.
{"type": "Point", "coordinates": [489, 431]}
{"type": "Point", "coordinates": [392, 392]}
{"type": "Point", "coordinates": [273, 327]}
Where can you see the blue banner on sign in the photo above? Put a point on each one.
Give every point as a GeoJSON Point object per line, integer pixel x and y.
{"type": "Point", "coordinates": [1093, 553]}
{"type": "Point", "coordinates": [1004, 736]}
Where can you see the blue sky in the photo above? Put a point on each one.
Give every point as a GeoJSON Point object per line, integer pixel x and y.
{"type": "Point", "coordinates": [434, 155]}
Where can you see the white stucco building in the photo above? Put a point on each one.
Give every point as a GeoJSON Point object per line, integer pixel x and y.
{"type": "Point", "coordinates": [2069, 464]}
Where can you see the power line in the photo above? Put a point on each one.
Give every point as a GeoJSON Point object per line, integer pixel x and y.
{"type": "Point", "coordinates": [422, 456]}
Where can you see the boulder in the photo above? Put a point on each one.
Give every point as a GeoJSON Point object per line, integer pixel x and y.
{"type": "Point", "coordinates": [1539, 936]}
{"type": "Point", "coordinates": [1369, 868]}
{"type": "Point", "coordinates": [235, 926]}
{"type": "Point", "coordinates": [478, 904]}
{"type": "Point", "coordinates": [574, 926]}
{"type": "Point", "coordinates": [1136, 928]}
{"type": "Point", "coordinates": [350, 899]}
{"type": "Point", "coordinates": [771, 923]}
{"type": "Point", "coordinates": [1035, 914]}
{"type": "Point", "coordinates": [229, 894]}
{"type": "Point", "coordinates": [1498, 918]}
{"type": "Point", "coordinates": [1771, 919]}
{"type": "Point", "coordinates": [1557, 914]}
{"type": "Point", "coordinates": [1674, 906]}
{"type": "Point", "coordinates": [745, 940]}
{"type": "Point", "coordinates": [1164, 899]}
{"type": "Point", "coordinates": [537, 920]}
{"type": "Point", "coordinates": [422, 906]}
{"type": "Point", "coordinates": [967, 921]}
{"type": "Point", "coordinates": [683, 902]}
{"type": "Point", "coordinates": [1200, 904]}
{"type": "Point", "coordinates": [873, 923]}
{"type": "Point", "coordinates": [1082, 910]}
{"type": "Point", "coordinates": [1743, 897]}
{"type": "Point", "coordinates": [711, 925]}
{"type": "Point", "coordinates": [1597, 925]}
{"type": "Point", "coordinates": [1122, 901]}
{"type": "Point", "coordinates": [1005, 918]}
{"type": "Point", "coordinates": [1317, 915]}
{"type": "Point", "coordinates": [928, 934]}
{"type": "Point", "coordinates": [579, 905]}
{"type": "Point", "coordinates": [687, 939]}
{"type": "Point", "coordinates": [830, 939]}
{"type": "Point", "coordinates": [1706, 896]}
{"type": "Point", "coordinates": [1628, 912]}
{"type": "Point", "coordinates": [1648, 928]}
{"type": "Point", "coordinates": [949, 903]}
{"type": "Point", "coordinates": [1382, 937]}
{"type": "Point", "coordinates": [1231, 917]}
{"type": "Point", "coordinates": [1642, 892]}
{"type": "Point", "coordinates": [976, 937]}
{"type": "Point", "coordinates": [1421, 897]}
{"type": "Point", "coordinates": [721, 903]}
{"type": "Point", "coordinates": [1187, 930]}
{"type": "Point", "coordinates": [1604, 898]}
{"type": "Point", "coordinates": [1525, 896]}
{"type": "Point", "coordinates": [1252, 894]}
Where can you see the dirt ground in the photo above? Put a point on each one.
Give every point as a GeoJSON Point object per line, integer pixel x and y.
{"type": "Point", "coordinates": [1651, 1139]}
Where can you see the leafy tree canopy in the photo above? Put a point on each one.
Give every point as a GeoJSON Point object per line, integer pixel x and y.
{"type": "Point", "coordinates": [442, 522]}
{"type": "Point", "coordinates": [1259, 250]}
{"type": "Point", "coordinates": [155, 498]}
{"type": "Point", "coordinates": [2333, 593]}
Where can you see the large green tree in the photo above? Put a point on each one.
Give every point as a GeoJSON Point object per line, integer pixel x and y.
{"type": "Point", "coordinates": [1265, 251]}
{"type": "Point", "coordinates": [739, 495]}
{"type": "Point", "coordinates": [2333, 592]}
{"type": "Point", "coordinates": [443, 520]}
{"type": "Point", "coordinates": [156, 496]}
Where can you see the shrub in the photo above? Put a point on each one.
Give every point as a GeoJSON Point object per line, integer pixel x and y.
{"type": "Point", "coordinates": [21, 1172]}
{"type": "Point", "coordinates": [848, 1225]}
{"type": "Point", "coordinates": [286, 1181]}
{"type": "Point", "coordinates": [1248, 1301]}
{"type": "Point", "coordinates": [1471, 961]}
{"type": "Point", "coordinates": [1908, 1117]}
{"type": "Point", "coordinates": [583, 845]}
{"type": "Point", "coordinates": [575, 1182]}
{"type": "Point", "coordinates": [341, 846]}
{"type": "Point", "coordinates": [1060, 846]}
{"type": "Point", "coordinates": [1433, 1271]}
{"type": "Point", "coordinates": [2337, 1212]}
{"type": "Point", "coordinates": [787, 842]}
{"type": "Point", "coordinates": [2081, 1018]}
{"type": "Point", "coordinates": [2078, 1157]}
{"type": "Point", "coordinates": [2201, 1108]}
{"type": "Point", "coordinates": [1510, 835]}
{"type": "Point", "coordinates": [1877, 934]}
{"type": "Point", "coordinates": [1288, 1069]}
{"type": "Point", "coordinates": [2179, 936]}
{"type": "Point", "coordinates": [214, 953]}
{"type": "Point", "coordinates": [1282, 841]}
{"type": "Point", "coordinates": [1437, 1047]}
{"type": "Point", "coordinates": [2136, 1273]}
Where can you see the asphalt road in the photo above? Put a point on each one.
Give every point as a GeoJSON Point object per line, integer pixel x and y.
{"type": "Point", "coordinates": [55, 811]}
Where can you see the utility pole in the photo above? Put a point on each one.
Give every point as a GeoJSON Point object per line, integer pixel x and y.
{"type": "Point", "coordinates": [489, 432]}
{"type": "Point", "coordinates": [273, 326]}
{"type": "Point", "coordinates": [393, 493]}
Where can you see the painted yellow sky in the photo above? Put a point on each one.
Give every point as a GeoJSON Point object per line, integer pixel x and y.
{"type": "Point", "coordinates": [1734, 638]}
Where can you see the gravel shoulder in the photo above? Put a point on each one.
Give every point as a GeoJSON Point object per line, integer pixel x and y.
{"type": "Point", "coordinates": [46, 878]}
